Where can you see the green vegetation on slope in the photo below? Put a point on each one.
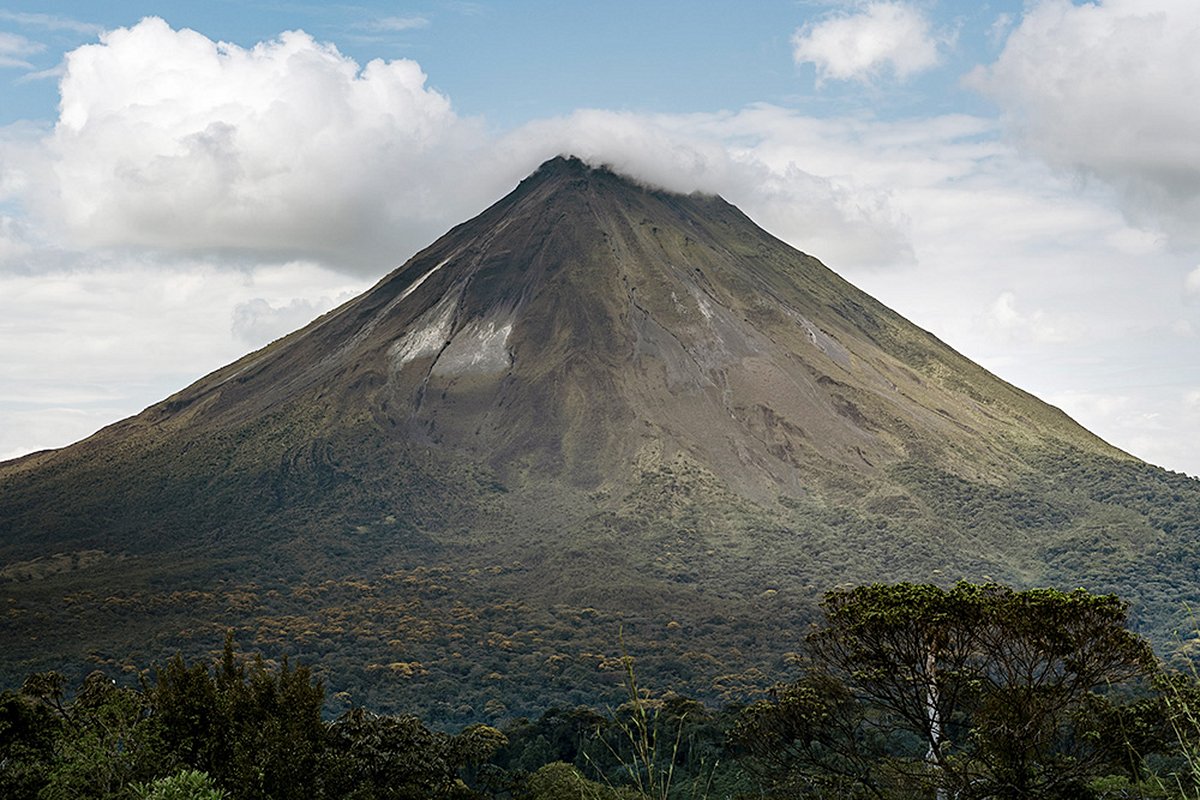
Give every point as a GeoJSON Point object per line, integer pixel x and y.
{"type": "Point", "coordinates": [905, 691]}
{"type": "Point", "coordinates": [434, 580]}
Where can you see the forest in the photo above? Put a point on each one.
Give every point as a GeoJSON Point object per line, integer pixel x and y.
{"type": "Point", "coordinates": [904, 691]}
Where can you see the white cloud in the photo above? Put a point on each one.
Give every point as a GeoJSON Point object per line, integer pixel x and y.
{"type": "Point", "coordinates": [14, 244]}
{"type": "Point", "coordinates": [1092, 405]}
{"type": "Point", "coordinates": [14, 48]}
{"type": "Point", "coordinates": [1161, 427]}
{"type": "Point", "coordinates": [884, 36]}
{"type": "Point", "coordinates": [845, 222]}
{"type": "Point", "coordinates": [53, 22]}
{"type": "Point", "coordinates": [395, 24]}
{"type": "Point", "coordinates": [167, 139]}
{"type": "Point", "coordinates": [217, 190]}
{"type": "Point", "coordinates": [999, 29]}
{"type": "Point", "coordinates": [1111, 89]}
{"type": "Point", "coordinates": [86, 344]}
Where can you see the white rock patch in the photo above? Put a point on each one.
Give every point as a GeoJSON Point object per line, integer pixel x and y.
{"type": "Point", "coordinates": [480, 348]}
{"type": "Point", "coordinates": [422, 279]}
{"type": "Point", "coordinates": [826, 343]}
{"type": "Point", "coordinates": [429, 333]}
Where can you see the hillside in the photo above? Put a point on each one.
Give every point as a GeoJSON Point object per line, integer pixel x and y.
{"type": "Point", "coordinates": [596, 410]}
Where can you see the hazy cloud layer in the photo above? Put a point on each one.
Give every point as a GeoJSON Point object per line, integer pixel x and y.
{"type": "Point", "coordinates": [884, 37]}
{"type": "Point", "coordinates": [1111, 89]}
{"type": "Point", "coordinates": [1039, 325]}
{"type": "Point", "coordinates": [50, 22]}
{"type": "Point", "coordinates": [84, 345]}
{"type": "Point", "coordinates": [395, 24]}
{"type": "Point", "coordinates": [257, 321]}
{"type": "Point", "coordinates": [1192, 282]}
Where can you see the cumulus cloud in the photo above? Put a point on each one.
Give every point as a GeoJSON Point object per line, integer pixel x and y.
{"type": "Point", "coordinates": [177, 157]}
{"type": "Point", "coordinates": [1078, 87]}
{"type": "Point", "coordinates": [14, 242]}
{"type": "Point", "coordinates": [167, 139]}
{"type": "Point", "coordinates": [891, 37]}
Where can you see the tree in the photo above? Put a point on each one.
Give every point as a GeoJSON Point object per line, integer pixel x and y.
{"type": "Point", "coordinates": [558, 781]}
{"type": "Point", "coordinates": [104, 741]}
{"type": "Point", "coordinates": [29, 732]}
{"type": "Point", "coordinates": [979, 691]}
{"type": "Point", "coordinates": [188, 784]}
{"type": "Point", "coordinates": [373, 757]}
{"type": "Point", "coordinates": [254, 729]}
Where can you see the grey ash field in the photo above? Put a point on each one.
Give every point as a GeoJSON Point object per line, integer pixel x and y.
{"type": "Point", "coordinates": [597, 415]}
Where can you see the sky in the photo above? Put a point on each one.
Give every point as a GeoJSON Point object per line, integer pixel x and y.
{"type": "Point", "coordinates": [181, 182]}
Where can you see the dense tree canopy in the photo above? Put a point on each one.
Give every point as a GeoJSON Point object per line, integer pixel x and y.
{"type": "Point", "coordinates": [979, 690]}
{"type": "Point", "coordinates": [905, 691]}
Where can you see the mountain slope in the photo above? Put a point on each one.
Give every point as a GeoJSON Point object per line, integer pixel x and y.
{"type": "Point", "coordinates": [595, 406]}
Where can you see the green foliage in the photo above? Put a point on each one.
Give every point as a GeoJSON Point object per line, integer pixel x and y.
{"type": "Point", "coordinates": [814, 738]}
{"type": "Point", "coordinates": [373, 757]}
{"type": "Point", "coordinates": [702, 580]}
{"type": "Point", "coordinates": [248, 726]}
{"type": "Point", "coordinates": [651, 742]}
{"type": "Point", "coordinates": [980, 690]}
{"type": "Point", "coordinates": [412, 536]}
{"type": "Point", "coordinates": [908, 690]}
{"type": "Point", "coordinates": [29, 732]}
{"type": "Point", "coordinates": [108, 741]}
{"type": "Point", "coordinates": [188, 784]}
{"type": "Point", "coordinates": [1179, 708]}
{"type": "Point", "coordinates": [559, 781]}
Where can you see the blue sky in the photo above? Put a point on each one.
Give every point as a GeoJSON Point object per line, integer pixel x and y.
{"type": "Point", "coordinates": [183, 182]}
{"type": "Point", "coordinates": [514, 61]}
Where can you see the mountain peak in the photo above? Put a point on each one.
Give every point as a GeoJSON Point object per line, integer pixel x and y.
{"type": "Point", "coordinates": [584, 321]}
{"type": "Point", "coordinates": [574, 173]}
{"type": "Point", "coordinates": [563, 165]}
{"type": "Point", "coordinates": [593, 395]}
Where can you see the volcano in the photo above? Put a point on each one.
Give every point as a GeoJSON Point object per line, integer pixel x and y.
{"type": "Point", "coordinates": [597, 412]}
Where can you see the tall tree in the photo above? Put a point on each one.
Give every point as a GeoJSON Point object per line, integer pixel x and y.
{"type": "Point", "coordinates": [979, 691]}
